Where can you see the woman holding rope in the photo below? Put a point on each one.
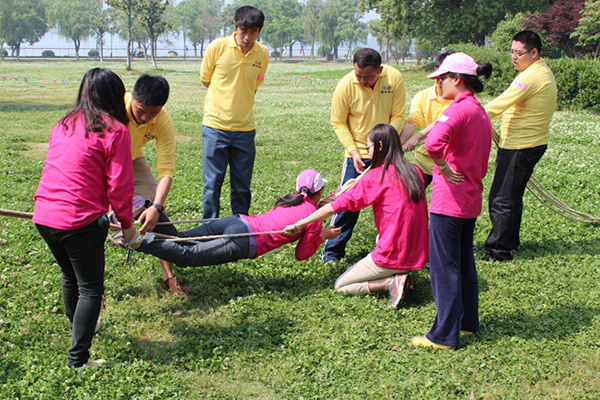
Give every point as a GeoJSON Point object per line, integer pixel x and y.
{"type": "Point", "coordinates": [395, 189]}
{"type": "Point", "coordinates": [238, 242]}
{"type": "Point", "coordinates": [88, 168]}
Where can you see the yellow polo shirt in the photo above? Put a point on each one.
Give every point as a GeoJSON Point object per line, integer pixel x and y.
{"type": "Point", "coordinates": [234, 79]}
{"type": "Point", "coordinates": [425, 108]}
{"type": "Point", "coordinates": [526, 108]}
{"type": "Point", "coordinates": [355, 109]}
{"type": "Point", "coordinates": [161, 129]}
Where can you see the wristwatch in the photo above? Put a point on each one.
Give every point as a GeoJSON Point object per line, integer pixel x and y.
{"type": "Point", "coordinates": [159, 207]}
{"type": "Point", "coordinates": [443, 166]}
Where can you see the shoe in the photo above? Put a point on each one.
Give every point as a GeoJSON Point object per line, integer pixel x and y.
{"type": "Point", "coordinates": [466, 333]}
{"type": "Point", "coordinates": [101, 363]}
{"type": "Point", "coordinates": [175, 286]}
{"type": "Point", "coordinates": [397, 289]}
{"type": "Point", "coordinates": [422, 341]}
{"type": "Point", "coordinates": [503, 256]}
{"type": "Point", "coordinates": [98, 325]}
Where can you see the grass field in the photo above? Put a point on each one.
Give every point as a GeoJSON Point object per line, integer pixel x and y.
{"type": "Point", "coordinates": [274, 328]}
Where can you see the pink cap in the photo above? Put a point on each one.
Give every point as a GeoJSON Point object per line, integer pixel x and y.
{"type": "Point", "coordinates": [459, 63]}
{"type": "Point", "coordinates": [311, 179]}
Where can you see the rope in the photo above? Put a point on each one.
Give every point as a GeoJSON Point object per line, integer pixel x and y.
{"type": "Point", "coordinates": [549, 200]}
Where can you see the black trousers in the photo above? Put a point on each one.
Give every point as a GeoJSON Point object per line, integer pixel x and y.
{"type": "Point", "coordinates": [80, 255]}
{"type": "Point", "coordinates": [512, 172]}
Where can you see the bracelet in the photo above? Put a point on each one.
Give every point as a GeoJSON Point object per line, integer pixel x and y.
{"type": "Point", "coordinates": [443, 166]}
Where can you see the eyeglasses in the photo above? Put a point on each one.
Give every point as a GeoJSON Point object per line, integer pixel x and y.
{"type": "Point", "coordinates": [440, 80]}
{"type": "Point", "coordinates": [369, 147]}
{"type": "Point", "coordinates": [519, 55]}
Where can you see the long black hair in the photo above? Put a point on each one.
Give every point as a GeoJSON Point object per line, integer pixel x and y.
{"type": "Point", "coordinates": [295, 199]}
{"type": "Point", "coordinates": [388, 150]}
{"type": "Point", "coordinates": [100, 96]}
{"type": "Point", "coordinates": [473, 83]}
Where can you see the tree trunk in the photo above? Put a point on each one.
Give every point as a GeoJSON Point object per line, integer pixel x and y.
{"type": "Point", "coordinates": [312, 50]}
{"type": "Point", "coordinates": [129, 41]}
{"type": "Point", "coordinates": [596, 53]}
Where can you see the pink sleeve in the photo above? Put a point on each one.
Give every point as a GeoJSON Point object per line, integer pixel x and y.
{"type": "Point", "coordinates": [309, 242]}
{"type": "Point", "coordinates": [363, 194]}
{"type": "Point", "coordinates": [438, 139]}
{"type": "Point", "coordinates": [119, 176]}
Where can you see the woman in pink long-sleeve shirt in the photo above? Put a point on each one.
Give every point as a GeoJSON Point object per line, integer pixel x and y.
{"type": "Point", "coordinates": [288, 209]}
{"type": "Point", "coordinates": [459, 145]}
{"type": "Point", "coordinates": [395, 189]}
{"type": "Point", "coordinates": [88, 168]}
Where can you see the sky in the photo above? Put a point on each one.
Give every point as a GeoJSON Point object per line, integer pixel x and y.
{"type": "Point", "coordinates": [64, 47]}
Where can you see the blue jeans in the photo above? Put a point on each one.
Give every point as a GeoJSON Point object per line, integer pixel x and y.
{"type": "Point", "coordinates": [453, 278]}
{"type": "Point", "coordinates": [219, 149]}
{"type": "Point", "coordinates": [209, 252]}
{"type": "Point", "coordinates": [80, 255]}
{"type": "Point", "coordinates": [511, 174]}
{"type": "Point", "coordinates": [335, 249]}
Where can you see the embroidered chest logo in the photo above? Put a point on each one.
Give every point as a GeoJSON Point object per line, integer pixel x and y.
{"type": "Point", "coordinates": [257, 64]}
{"type": "Point", "coordinates": [149, 136]}
{"type": "Point", "coordinates": [387, 89]}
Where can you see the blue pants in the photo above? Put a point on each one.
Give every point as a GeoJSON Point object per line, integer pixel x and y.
{"type": "Point", "coordinates": [511, 174]}
{"type": "Point", "coordinates": [335, 249]}
{"type": "Point", "coordinates": [219, 149]}
{"type": "Point", "coordinates": [453, 278]}
{"type": "Point", "coordinates": [209, 252]}
{"type": "Point", "coordinates": [80, 255]}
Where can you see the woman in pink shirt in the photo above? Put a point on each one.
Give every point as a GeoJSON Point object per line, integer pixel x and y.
{"type": "Point", "coordinates": [395, 189]}
{"type": "Point", "coordinates": [88, 168]}
{"type": "Point", "coordinates": [288, 209]}
{"type": "Point", "coordinates": [459, 145]}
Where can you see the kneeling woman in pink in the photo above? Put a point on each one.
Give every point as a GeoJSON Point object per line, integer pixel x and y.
{"type": "Point", "coordinates": [395, 189]}
{"type": "Point", "coordinates": [459, 145]}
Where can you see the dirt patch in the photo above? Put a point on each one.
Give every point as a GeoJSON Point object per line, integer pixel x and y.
{"type": "Point", "coordinates": [37, 150]}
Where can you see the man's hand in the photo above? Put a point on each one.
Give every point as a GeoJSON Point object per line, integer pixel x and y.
{"type": "Point", "coordinates": [331, 232]}
{"type": "Point", "coordinates": [359, 165]}
{"type": "Point", "coordinates": [148, 219]}
{"type": "Point", "coordinates": [411, 143]}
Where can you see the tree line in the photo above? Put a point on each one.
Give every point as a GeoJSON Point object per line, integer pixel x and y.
{"type": "Point", "coordinates": [571, 27]}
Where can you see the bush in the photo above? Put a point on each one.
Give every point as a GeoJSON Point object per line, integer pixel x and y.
{"type": "Point", "coordinates": [172, 53]}
{"type": "Point", "coordinates": [275, 53]}
{"type": "Point", "coordinates": [48, 53]}
{"type": "Point", "coordinates": [3, 52]}
{"type": "Point", "coordinates": [323, 50]}
{"type": "Point", "coordinates": [93, 53]}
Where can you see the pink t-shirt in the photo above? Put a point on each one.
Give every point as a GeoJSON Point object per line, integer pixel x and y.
{"type": "Point", "coordinates": [463, 136]}
{"type": "Point", "coordinates": [401, 223]}
{"type": "Point", "coordinates": [83, 175]}
{"type": "Point", "coordinates": [280, 217]}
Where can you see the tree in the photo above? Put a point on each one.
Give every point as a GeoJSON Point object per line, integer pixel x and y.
{"type": "Point", "coordinates": [558, 23]}
{"type": "Point", "coordinates": [588, 28]}
{"type": "Point", "coordinates": [22, 21]}
{"type": "Point", "coordinates": [152, 14]}
{"type": "Point", "coordinates": [200, 21]}
{"type": "Point", "coordinates": [100, 23]}
{"type": "Point", "coordinates": [72, 19]}
{"type": "Point", "coordinates": [352, 30]}
{"type": "Point", "coordinates": [334, 15]}
{"type": "Point", "coordinates": [128, 8]}
{"type": "Point", "coordinates": [310, 22]}
{"type": "Point", "coordinates": [501, 39]}
{"type": "Point", "coordinates": [282, 24]}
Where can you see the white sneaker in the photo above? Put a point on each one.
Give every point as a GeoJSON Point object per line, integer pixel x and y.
{"type": "Point", "coordinates": [98, 325]}
{"type": "Point", "coordinates": [91, 364]}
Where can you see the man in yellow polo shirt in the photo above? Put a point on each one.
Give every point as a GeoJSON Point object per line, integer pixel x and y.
{"type": "Point", "coordinates": [232, 69]}
{"type": "Point", "coordinates": [371, 94]}
{"type": "Point", "coordinates": [426, 107]}
{"type": "Point", "coordinates": [148, 121]}
{"type": "Point", "coordinates": [526, 108]}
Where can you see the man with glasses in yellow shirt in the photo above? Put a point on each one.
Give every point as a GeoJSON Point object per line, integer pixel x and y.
{"type": "Point", "coordinates": [232, 69]}
{"type": "Point", "coordinates": [526, 108]}
{"type": "Point", "coordinates": [371, 94]}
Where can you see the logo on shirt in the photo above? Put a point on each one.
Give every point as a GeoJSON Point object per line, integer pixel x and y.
{"type": "Point", "coordinates": [149, 136]}
{"type": "Point", "coordinates": [257, 64]}
{"type": "Point", "coordinates": [521, 85]}
{"type": "Point", "coordinates": [386, 89]}
{"type": "Point", "coordinates": [443, 118]}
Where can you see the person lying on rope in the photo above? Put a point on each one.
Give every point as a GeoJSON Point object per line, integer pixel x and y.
{"type": "Point", "coordinates": [235, 239]}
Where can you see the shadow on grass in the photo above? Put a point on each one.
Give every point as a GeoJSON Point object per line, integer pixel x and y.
{"type": "Point", "coordinates": [28, 107]}
{"type": "Point", "coordinates": [531, 249]}
{"type": "Point", "coordinates": [556, 323]}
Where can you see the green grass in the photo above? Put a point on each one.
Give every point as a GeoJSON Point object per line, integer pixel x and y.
{"type": "Point", "coordinates": [274, 328]}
